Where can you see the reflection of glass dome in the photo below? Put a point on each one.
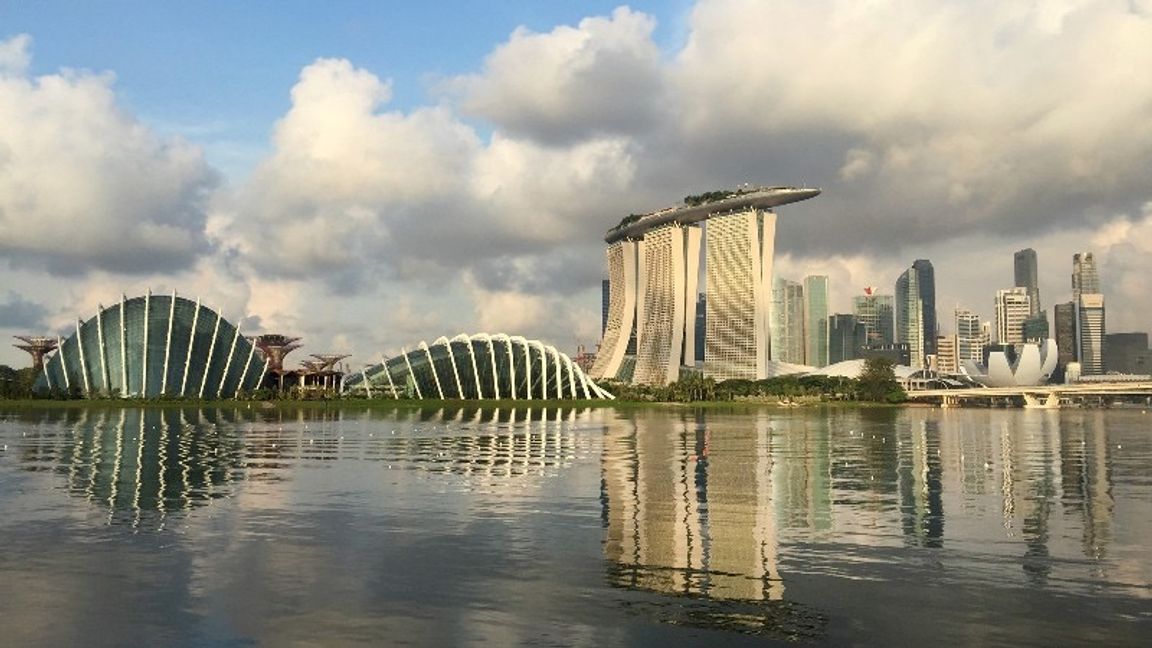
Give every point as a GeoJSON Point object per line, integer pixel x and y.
{"type": "Point", "coordinates": [154, 346]}
{"type": "Point", "coordinates": [476, 367]}
{"type": "Point", "coordinates": [1034, 366]}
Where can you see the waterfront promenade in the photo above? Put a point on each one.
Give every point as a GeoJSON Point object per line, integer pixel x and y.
{"type": "Point", "coordinates": [1046, 396]}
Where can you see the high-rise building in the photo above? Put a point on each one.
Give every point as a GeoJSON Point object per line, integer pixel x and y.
{"type": "Point", "coordinates": [969, 336]}
{"type": "Point", "coordinates": [1035, 329]}
{"type": "Point", "coordinates": [1064, 332]}
{"type": "Point", "coordinates": [666, 336]}
{"type": "Point", "coordinates": [876, 312]}
{"type": "Point", "coordinates": [846, 336]}
{"type": "Point", "coordinates": [1012, 308]}
{"type": "Point", "coordinates": [738, 283]}
{"type": "Point", "coordinates": [1127, 353]}
{"type": "Point", "coordinates": [947, 360]}
{"type": "Point", "coordinates": [701, 319]}
{"type": "Point", "coordinates": [1027, 276]}
{"type": "Point", "coordinates": [787, 332]}
{"type": "Point", "coordinates": [926, 277]}
{"type": "Point", "coordinates": [1090, 328]}
{"type": "Point", "coordinates": [816, 320]}
{"type": "Point", "coordinates": [1085, 279]}
{"type": "Point", "coordinates": [910, 316]}
{"type": "Point", "coordinates": [653, 264]}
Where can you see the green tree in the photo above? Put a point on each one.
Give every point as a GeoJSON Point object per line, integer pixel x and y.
{"type": "Point", "coordinates": [878, 383]}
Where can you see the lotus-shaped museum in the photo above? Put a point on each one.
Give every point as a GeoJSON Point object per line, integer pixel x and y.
{"type": "Point", "coordinates": [1034, 365]}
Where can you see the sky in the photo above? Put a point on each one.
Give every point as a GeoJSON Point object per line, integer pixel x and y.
{"type": "Point", "coordinates": [367, 175]}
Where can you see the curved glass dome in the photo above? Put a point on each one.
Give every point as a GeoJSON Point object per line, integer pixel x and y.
{"type": "Point", "coordinates": [476, 367]}
{"type": "Point", "coordinates": [152, 346]}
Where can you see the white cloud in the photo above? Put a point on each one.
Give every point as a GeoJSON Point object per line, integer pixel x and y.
{"type": "Point", "coordinates": [83, 184]}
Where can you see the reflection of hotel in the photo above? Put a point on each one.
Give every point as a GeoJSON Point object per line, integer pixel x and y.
{"type": "Point", "coordinates": [696, 507]}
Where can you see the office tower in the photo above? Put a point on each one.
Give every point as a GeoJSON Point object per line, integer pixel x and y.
{"type": "Point", "coordinates": [1064, 331]}
{"type": "Point", "coordinates": [1127, 353]}
{"type": "Point", "coordinates": [1012, 308]}
{"type": "Point", "coordinates": [1027, 276]}
{"type": "Point", "coordinates": [1085, 279]}
{"type": "Point", "coordinates": [846, 336]}
{"type": "Point", "coordinates": [947, 360]}
{"type": "Point", "coordinates": [666, 336]}
{"type": "Point", "coordinates": [816, 320]}
{"type": "Point", "coordinates": [910, 316]}
{"type": "Point", "coordinates": [787, 331]}
{"type": "Point", "coordinates": [969, 336]}
{"type": "Point", "coordinates": [738, 256]}
{"type": "Point", "coordinates": [876, 312]}
{"type": "Point", "coordinates": [1090, 328]}
{"type": "Point", "coordinates": [1089, 319]}
{"type": "Point", "coordinates": [926, 277]}
{"type": "Point", "coordinates": [605, 295]}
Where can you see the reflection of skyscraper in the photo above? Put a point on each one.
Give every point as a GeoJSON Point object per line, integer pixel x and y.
{"type": "Point", "coordinates": [689, 508]}
{"type": "Point", "coordinates": [787, 331]}
{"type": "Point", "coordinates": [816, 320]}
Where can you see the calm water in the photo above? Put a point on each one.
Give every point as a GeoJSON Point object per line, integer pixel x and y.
{"type": "Point", "coordinates": [576, 527]}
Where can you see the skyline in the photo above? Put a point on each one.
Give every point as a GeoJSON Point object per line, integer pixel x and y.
{"type": "Point", "coordinates": [354, 180]}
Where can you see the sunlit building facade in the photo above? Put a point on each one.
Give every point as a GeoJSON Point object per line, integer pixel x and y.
{"type": "Point", "coordinates": [154, 346]}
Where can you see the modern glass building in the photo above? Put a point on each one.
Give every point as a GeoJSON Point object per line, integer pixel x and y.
{"type": "Point", "coordinates": [816, 320]}
{"type": "Point", "coordinates": [787, 318]}
{"type": "Point", "coordinates": [476, 367]}
{"type": "Point", "coordinates": [153, 346]}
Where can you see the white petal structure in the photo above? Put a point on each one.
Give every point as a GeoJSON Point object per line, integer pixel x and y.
{"type": "Point", "coordinates": [152, 346]}
{"type": "Point", "coordinates": [478, 367]}
{"type": "Point", "coordinates": [1034, 365]}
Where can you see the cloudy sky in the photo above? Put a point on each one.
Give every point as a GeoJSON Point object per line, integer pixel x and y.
{"type": "Point", "coordinates": [366, 175]}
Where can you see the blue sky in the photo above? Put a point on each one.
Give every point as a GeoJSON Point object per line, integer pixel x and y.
{"type": "Point", "coordinates": [370, 174]}
{"type": "Point", "coordinates": [219, 72]}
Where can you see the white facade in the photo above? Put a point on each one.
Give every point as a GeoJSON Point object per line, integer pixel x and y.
{"type": "Point", "coordinates": [622, 276]}
{"type": "Point", "coordinates": [969, 336]}
{"type": "Point", "coordinates": [739, 254]}
{"type": "Point", "coordinates": [665, 335]}
{"type": "Point", "coordinates": [1034, 366]}
{"type": "Point", "coordinates": [1012, 308]}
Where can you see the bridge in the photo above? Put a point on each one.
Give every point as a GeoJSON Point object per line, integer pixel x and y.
{"type": "Point", "coordinates": [1036, 396]}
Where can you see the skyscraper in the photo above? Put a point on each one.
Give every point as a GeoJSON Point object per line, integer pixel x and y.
{"type": "Point", "coordinates": [1012, 308]}
{"type": "Point", "coordinates": [846, 335]}
{"type": "Point", "coordinates": [926, 276]}
{"type": "Point", "coordinates": [605, 295]}
{"type": "Point", "coordinates": [1085, 280]}
{"type": "Point", "coordinates": [1026, 274]}
{"type": "Point", "coordinates": [787, 332]}
{"type": "Point", "coordinates": [1064, 323]}
{"type": "Point", "coordinates": [969, 336]}
{"type": "Point", "coordinates": [816, 320]}
{"type": "Point", "coordinates": [876, 312]}
{"type": "Point", "coordinates": [1090, 325]}
{"type": "Point", "coordinates": [1089, 303]}
{"type": "Point", "coordinates": [665, 336]}
{"type": "Point", "coordinates": [910, 316]}
{"type": "Point", "coordinates": [738, 257]}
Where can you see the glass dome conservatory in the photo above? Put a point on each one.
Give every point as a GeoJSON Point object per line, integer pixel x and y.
{"type": "Point", "coordinates": [153, 346]}
{"type": "Point", "coordinates": [474, 367]}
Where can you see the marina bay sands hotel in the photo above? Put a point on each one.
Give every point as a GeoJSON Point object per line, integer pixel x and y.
{"type": "Point", "coordinates": [654, 275]}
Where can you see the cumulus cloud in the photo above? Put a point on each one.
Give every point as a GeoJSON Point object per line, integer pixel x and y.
{"type": "Point", "coordinates": [601, 77]}
{"type": "Point", "coordinates": [85, 185]}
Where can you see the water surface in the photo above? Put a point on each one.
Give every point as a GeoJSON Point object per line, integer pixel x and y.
{"type": "Point", "coordinates": [575, 527]}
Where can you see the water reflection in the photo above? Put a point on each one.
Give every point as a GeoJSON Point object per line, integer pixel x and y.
{"type": "Point", "coordinates": [143, 465]}
{"type": "Point", "coordinates": [720, 506]}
